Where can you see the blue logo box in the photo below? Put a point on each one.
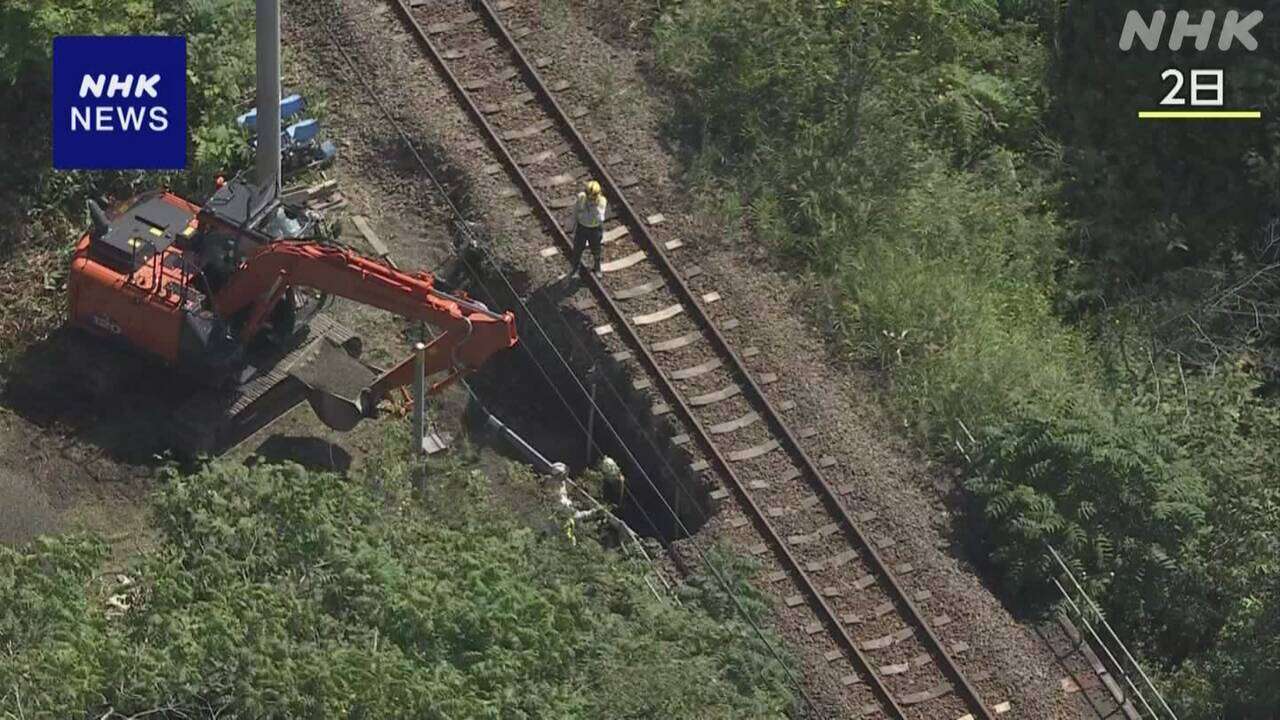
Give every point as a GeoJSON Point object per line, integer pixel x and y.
{"type": "Point", "coordinates": [119, 103]}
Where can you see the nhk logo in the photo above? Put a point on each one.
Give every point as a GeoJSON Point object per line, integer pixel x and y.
{"type": "Point", "coordinates": [100, 118]}
{"type": "Point", "coordinates": [1206, 94]}
{"type": "Point", "coordinates": [119, 103]}
{"type": "Point", "coordinates": [1235, 29]}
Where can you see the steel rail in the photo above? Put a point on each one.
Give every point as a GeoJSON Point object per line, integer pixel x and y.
{"type": "Point", "coordinates": [720, 344]}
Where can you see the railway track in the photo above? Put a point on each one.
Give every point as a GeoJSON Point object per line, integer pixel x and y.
{"type": "Point", "coordinates": [869, 611]}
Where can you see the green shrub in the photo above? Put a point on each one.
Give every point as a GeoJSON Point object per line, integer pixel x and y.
{"type": "Point", "coordinates": [43, 211]}
{"type": "Point", "coordinates": [277, 592]}
{"type": "Point", "coordinates": [220, 57]}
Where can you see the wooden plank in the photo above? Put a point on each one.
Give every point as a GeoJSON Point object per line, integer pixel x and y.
{"type": "Point", "coordinates": [298, 195]}
{"type": "Point", "coordinates": [753, 452]}
{"type": "Point", "coordinates": [715, 397]}
{"type": "Point", "coordinates": [614, 234]}
{"type": "Point", "coordinates": [656, 317]}
{"type": "Point", "coordinates": [696, 370]}
{"type": "Point", "coordinates": [677, 342]}
{"type": "Point", "coordinates": [623, 263]}
{"type": "Point", "coordinates": [932, 693]}
{"type": "Point", "coordinates": [639, 290]}
{"type": "Point", "coordinates": [843, 558]}
{"type": "Point", "coordinates": [336, 202]}
{"type": "Point", "coordinates": [519, 101]}
{"type": "Point", "coordinates": [555, 180]}
{"type": "Point", "coordinates": [536, 158]}
{"type": "Point", "coordinates": [362, 224]}
{"type": "Point", "coordinates": [729, 426]}
{"type": "Point", "coordinates": [529, 131]}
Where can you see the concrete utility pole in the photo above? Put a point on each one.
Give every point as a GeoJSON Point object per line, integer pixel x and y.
{"type": "Point", "coordinates": [267, 168]}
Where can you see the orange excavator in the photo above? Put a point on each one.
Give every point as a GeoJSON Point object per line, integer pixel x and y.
{"type": "Point", "coordinates": [238, 310]}
{"type": "Point", "coordinates": [230, 294]}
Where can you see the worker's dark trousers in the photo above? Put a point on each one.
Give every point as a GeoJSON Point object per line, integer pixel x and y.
{"type": "Point", "coordinates": [581, 237]}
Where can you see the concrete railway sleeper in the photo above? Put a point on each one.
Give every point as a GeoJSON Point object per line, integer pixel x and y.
{"type": "Point", "coordinates": [898, 655]}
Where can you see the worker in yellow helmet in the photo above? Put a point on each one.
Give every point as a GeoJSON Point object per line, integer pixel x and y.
{"type": "Point", "coordinates": [588, 223]}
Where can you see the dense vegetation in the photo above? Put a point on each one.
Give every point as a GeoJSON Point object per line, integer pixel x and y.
{"type": "Point", "coordinates": [1081, 308]}
{"type": "Point", "coordinates": [42, 212]}
{"type": "Point", "coordinates": [277, 592]}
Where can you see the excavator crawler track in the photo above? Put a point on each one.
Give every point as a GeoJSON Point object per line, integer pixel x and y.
{"type": "Point", "coordinates": [216, 420]}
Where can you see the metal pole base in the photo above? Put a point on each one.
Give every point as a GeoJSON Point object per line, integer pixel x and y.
{"type": "Point", "coordinates": [434, 442]}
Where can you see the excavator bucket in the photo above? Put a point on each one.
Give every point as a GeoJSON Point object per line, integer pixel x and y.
{"type": "Point", "coordinates": [334, 381]}
{"type": "Point", "coordinates": [322, 370]}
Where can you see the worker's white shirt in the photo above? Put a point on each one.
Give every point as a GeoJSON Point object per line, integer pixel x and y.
{"type": "Point", "coordinates": [590, 214]}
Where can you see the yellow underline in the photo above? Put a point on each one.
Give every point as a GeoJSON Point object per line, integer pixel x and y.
{"type": "Point", "coordinates": [1199, 114]}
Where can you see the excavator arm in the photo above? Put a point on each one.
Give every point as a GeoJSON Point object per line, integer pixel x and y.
{"type": "Point", "coordinates": [471, 332]}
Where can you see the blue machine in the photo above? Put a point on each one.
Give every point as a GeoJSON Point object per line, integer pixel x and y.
{"type": "Point", "coordinates": [300, 146]}
{"type": "Point", "coordinates": [289, 107]}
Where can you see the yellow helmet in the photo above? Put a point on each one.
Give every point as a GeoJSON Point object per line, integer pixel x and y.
{"type": "Point", "coordinates": [593, 188]}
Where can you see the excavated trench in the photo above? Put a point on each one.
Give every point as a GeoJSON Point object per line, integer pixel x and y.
{"type": "Point", "coordinates": [531, 391]}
